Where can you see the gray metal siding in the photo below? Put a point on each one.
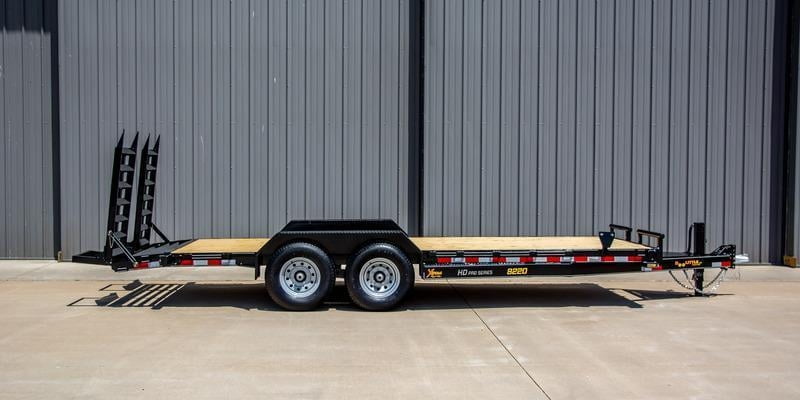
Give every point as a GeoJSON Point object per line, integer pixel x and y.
{"type": "Point", "coordinates": [26, 183]}
{"type": "Point", "coordinates": [541, 117]}
{"type": "Point", "coordinates": [267, 111]}
{"type": "Point", "coordinates": [561, 116]}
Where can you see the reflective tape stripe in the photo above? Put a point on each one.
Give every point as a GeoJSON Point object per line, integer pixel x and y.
{"type": "Point", "coordinates": [721, 264]}
{"type": "Point", "coordinates": [540, 259]}
{"type": "Point", "coordinates": [147, 264]}
{"type": "Point", "coordinates": [206, 262]}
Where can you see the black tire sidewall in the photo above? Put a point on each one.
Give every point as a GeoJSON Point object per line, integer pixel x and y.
{"type": "Point", "coordinates": [286, 253]}
{"type": "Point", "coordinates": [363, 298]}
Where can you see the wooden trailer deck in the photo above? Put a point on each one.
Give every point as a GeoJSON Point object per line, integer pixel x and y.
{"type": "Point", "coordinates": [446, 243]}
{"type": "Point", "coordinates": [532, 243]}
{"type": "Point", "coordinates": [241, 245]}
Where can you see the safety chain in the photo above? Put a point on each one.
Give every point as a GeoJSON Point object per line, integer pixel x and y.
{"type": "Point", "coordinates": [712, 286]}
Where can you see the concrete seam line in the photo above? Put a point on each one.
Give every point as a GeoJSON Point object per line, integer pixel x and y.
{"type": "Point", "coordinates": [464, 298]}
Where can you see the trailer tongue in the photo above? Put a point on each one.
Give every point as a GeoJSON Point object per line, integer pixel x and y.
{"type": "Point", "coordinates": [375, 256]}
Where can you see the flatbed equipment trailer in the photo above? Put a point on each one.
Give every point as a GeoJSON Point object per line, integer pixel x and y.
{"type": "Point", "coordinates": [376, 257]}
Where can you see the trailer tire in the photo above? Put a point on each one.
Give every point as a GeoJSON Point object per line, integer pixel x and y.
{"type": "Point", "coordinates": [379, 276]}
{"type": "Point", "coordinates": [299, 276]}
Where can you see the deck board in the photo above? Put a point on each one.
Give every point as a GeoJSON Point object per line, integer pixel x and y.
{"type": "Point", "coordinates": [240, 245]}
{"type": "Point", "coordinates": [448, 243]}
{"type": "Point", "coordinates": [533, 243]}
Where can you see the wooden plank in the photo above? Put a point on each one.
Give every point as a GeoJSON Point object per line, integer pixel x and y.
{"type": "Point", "coordinates": [532, 243]}
{"type": "Point", "coordinates": [251, 245]}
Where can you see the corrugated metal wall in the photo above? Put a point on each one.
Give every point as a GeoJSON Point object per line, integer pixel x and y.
{"type": "Point", "coordinates": [792, 231]}
{"type": "Point", "coordinates": [541, 117]}
{"type": "Point", "coordinates": [26, 180]}
{"type": "Point", "coordinates": [267, 110]}
{"type": "Point", "coordinates": [561, 116]}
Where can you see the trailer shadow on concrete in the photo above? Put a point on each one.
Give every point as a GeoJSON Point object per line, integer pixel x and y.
{"type": "Point", "coordinates": [425, 296]}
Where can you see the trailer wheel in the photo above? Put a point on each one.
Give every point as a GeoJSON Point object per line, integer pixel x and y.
{"type": "Point", "coordinates": [299, 276]}
{"type": "Point", "coordinates": [379, 276]}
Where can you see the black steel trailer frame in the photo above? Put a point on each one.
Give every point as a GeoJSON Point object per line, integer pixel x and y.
{"type": "Point", "coordinates": [342, 240]}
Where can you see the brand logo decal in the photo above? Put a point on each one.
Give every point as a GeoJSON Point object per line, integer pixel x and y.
{"type": "Point", "coordinates": [433, 273]}
{"type": "Point", "coordinates": [688, 263]}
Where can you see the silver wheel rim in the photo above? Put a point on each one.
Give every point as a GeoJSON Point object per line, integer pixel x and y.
{"type": "Point", "coordinates": [299, 277]}
{"type": "Point", "coordinates": [380, 277]}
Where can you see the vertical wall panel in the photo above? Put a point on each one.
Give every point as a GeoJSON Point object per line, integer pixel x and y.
{"type": "Point", "coordinates": [469, 198]}
{"type": "Point", "coordinates": [221, 161]}
{"type": "Point", "coordinates": [315, 103]}
{"type": "Point", "coordinates": [34, 129]}
{"type": "Point", "coordinates": [648, 113]}
{"type": "Point", "coordinates": [435, 43]}
{"type": "Point", "coordinates": [183, 125]}
{"type": "Point", "coordinates": [678, 150]}
{"type": "Point", "coordinates": [699, 45]}
{"type": "Point", "coordinates": [452, 124]}
{"type": "Point", "coordinates": [752, 161]}
{"type": "Point", "coordinates": [371, 110]}
{"type": "Point", "coordinates": [621, 204]}
{"type": "Point", "coordinates": [14, 80]}
{"type": "Point", "coordinates": [258, 50]}
{"type": "Point", "coordinates": [268, 110]}
{"type": "Point", "coordinates": [548, 129]}
{"type": "Point", "coordinates": [565, 117]}
{"type": "Point", "coordinates": [351, 99]}
{"type": "Point", "coordinates": [69, 110]}
{"type": "Point", "coordinates": [716, 126]}
{"type": "Point", "coordinates": [585, 117]}
{"type": "Point", "coordinates": [26, 202]}
{"type": "Point", "coordinates": [4, 210]}
{"type": "Point", "coordinates": [642, 113]}
{"type": "Point", "coordinates": [604, 164]}
{"type": "Point", "coordinates": [274, 177]}
{"type": "Point", "coordinates": [202, 118]}
{"type": "Point", "coordinates": [239, 126]}
{"type": "Point", "coordinates": [164, 106]}
{"type": "Point", "coordinates": [509, 117]}
{"type": "Point", "coordinates": [528, 123]}
{"type": "Point", "coordinates": [333, 68]}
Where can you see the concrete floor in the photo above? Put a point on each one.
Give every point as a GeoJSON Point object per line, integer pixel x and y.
{"type": "Point", "coordinates": [212, 333]}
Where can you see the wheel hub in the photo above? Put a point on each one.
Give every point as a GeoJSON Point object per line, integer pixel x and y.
{"type": "Point", "coordinates": [299, 277]}
{"type": "Point", "coordinates": [380, 277]}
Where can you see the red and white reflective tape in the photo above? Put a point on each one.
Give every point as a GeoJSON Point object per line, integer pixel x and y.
{"type": "Point", "coordinates": [608, 259]}
{"type": "Point", "coordinates": [189, 263]}
{"type": "Point", "coordinates": [538, 260]}
{"type": "Point", "coordinates": [722, 264]}
{"type": "Point", "coordinates": [206, 262]}
{"type": "Point", "coordinates": [147, 264]}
